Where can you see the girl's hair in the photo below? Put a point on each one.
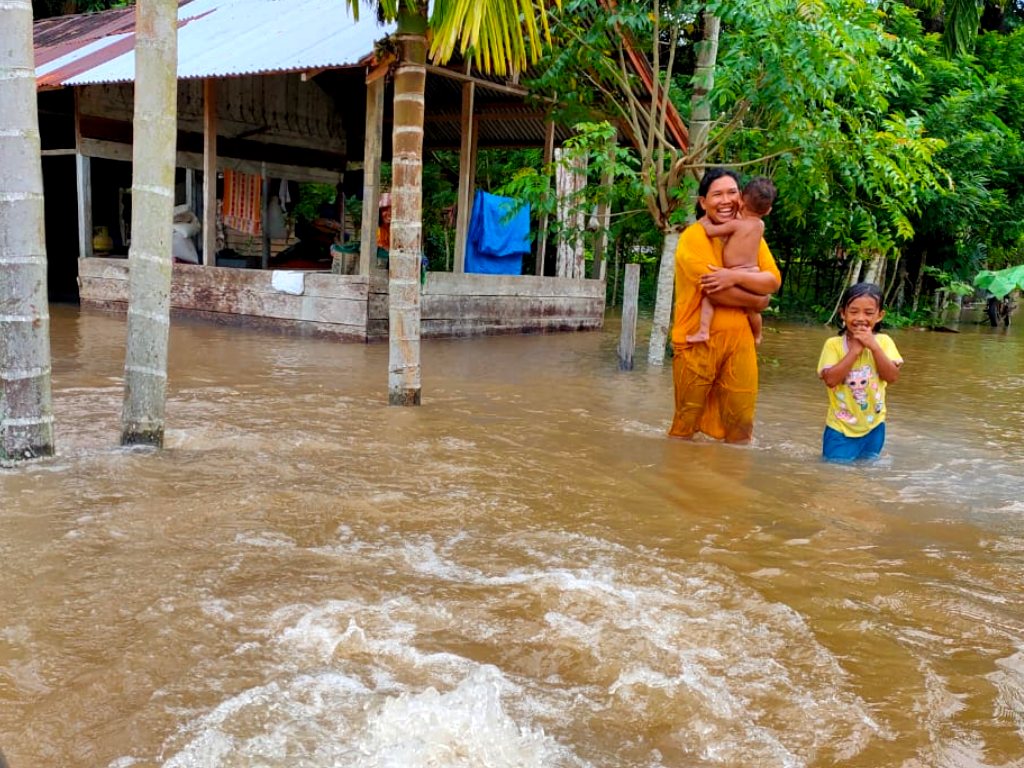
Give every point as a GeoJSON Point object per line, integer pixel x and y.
{"type": "Point", "coordinates": [855, 291]}
{"type": "Point", "coordinates": [710, 176]}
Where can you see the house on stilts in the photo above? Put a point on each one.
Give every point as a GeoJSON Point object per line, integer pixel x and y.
{"type": "Point", "coordinates": [274, 95]}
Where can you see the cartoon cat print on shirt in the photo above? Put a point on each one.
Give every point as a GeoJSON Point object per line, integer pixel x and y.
{"type": "Point", "coordinates": [858, 380]}
{"type": "Point", "coordinates": [861, 382]}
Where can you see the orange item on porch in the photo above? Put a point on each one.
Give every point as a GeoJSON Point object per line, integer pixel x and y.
{"type": "Point", "coordinates": [243, 202]}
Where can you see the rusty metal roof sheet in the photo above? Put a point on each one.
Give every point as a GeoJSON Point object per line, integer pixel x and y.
{"type": "Point", "coordinates": [216, 38]}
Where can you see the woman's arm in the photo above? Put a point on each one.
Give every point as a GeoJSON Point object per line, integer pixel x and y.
{"type": "Point", "coordinates": [741, 298]}
{"type": "Point", "coordinates": [720, 279]}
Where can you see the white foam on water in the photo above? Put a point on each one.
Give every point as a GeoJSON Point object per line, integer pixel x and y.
{"type": "Point", "coordinates": [578, 637]}
{"type": "Point", "coordinates": [643, 634]}
{"type": "Point", "coordinates": [265, 539]}
{"type": "Point", "coordinates": [1009, 681]}
{"type": "Point", "coordinates": [635, 427]}
{"type": "Point", "coordinates": [466, 727]}
{"type": "Point", "coordinates": [983, 484]}
{"type": "Point", "coordinates": [328, 719]}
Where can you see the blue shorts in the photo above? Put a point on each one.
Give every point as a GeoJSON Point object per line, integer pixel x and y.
{"type": "Point", "coordinates": [835, 446]}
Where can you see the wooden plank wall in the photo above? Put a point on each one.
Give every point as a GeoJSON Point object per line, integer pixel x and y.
{"type": "Point", "coordinates": [279, 109]}
{"type": "Point", "coordinates": [332, 305]}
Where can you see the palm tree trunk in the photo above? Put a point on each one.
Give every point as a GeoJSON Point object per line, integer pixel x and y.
{"type": "Point", "coordinates": [703, 84]}
{"type": "Point", "coordinates": [26, 410]}
{"type": "Point", "coordinates": [700, 125]}
{"type": "Point", "coordinates": [149, 260]}
{"type": "Point", "coordinates": [407, 217]}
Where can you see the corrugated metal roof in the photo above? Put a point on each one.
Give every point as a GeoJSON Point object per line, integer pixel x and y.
{"type": "Point", "coordinates": [216, 38]}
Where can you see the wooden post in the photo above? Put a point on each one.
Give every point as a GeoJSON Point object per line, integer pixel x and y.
{"type": "Point", "coordinates": [264, 229]}
{"type": "Point", "coordinates": [627, 336]}
{"type": "Point", "coordinates": [83, 172]}
{"type": "Point", "coordinates": [371, 169]}
{"type": "Point", "coordinates": [83, 177]}
{"type": "Point", "coordinates": [542, 234]}
{"type": "Point", "coordinates": [340, 187]}
{"type": "Point", "coordinates": [209, 172]}
{"type": "Point", "coordinates": [190, 189]}
{"type": "Point", "coordinates": [467, 178]}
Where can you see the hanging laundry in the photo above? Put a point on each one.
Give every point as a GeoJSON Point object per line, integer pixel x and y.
{"type": "Point", "coordinates": [284, 196]}
{"type": "Point", "coordinates": [243, 202]}
{"type": "Point", "coordinates": [499, 235]}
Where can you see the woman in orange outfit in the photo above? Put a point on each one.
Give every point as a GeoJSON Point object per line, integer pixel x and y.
{"type": "Point", "coordinates": [716, 381]}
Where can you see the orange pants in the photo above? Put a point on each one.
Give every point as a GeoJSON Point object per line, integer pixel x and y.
{"type": "Point", "coordinates": [716, 387]}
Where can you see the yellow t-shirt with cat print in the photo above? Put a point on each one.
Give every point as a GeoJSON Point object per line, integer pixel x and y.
{"type": "Point", "coordinates": [856, 405]}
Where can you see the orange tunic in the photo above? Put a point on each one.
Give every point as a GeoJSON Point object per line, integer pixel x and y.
{"type": "Point", "coordinates": [715, 381]}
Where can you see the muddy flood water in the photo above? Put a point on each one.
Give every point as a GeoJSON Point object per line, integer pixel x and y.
{"type": "Point", "coordinates": [524, 572]}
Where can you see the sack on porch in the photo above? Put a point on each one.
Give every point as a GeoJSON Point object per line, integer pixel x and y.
{"type": "Point", "coordinates": [499, 235]}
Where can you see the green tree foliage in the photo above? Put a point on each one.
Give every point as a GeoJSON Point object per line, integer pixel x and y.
{"type": "Point", "coordinates": [973, 104]}
{"type": "Point", "coordinates": [45, 8]}
{"type": "Point", "coordinates": [848, 163]}
{"type": "Point", "coordinates": [802, 91]}
{"type": "Point", "coordinates": [959, 21]}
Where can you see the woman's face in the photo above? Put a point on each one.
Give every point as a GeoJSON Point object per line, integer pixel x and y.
{"type": "Point", "coordinates": [722, 201]}
{"type": "Point", "coordinates": [385, 215]}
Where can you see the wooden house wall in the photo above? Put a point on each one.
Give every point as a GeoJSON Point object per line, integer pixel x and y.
{"type": "Point", "coordinates": [269, 109]}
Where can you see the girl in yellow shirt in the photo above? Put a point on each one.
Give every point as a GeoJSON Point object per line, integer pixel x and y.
{"type": "Point", "coordinates": [856, 366]}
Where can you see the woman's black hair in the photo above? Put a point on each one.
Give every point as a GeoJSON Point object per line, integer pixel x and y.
{"type": "Point", "coordinates": [855, 291]}
{"type": "Point", "coordinates": [710, 176]}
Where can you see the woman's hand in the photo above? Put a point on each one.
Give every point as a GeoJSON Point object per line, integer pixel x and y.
{"type": "Point", "coordinates": [718, 279]}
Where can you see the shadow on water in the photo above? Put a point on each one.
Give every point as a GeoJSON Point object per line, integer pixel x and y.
{"type": "Point", "coordinates": [522, 572]}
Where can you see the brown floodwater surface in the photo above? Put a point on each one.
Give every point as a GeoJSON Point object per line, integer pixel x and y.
{"type": "Point", "coordinates": [523, 572]}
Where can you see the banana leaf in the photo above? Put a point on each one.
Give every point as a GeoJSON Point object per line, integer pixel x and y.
{"type": "Point", "coordinates": [1001, 282]}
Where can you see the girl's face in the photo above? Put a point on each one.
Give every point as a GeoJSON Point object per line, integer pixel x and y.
{"type": "Point", "coordinates": [862, 312]}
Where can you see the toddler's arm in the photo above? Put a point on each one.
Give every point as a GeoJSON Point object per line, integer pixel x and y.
{"type": "Point", "coordinates": [725, 229]}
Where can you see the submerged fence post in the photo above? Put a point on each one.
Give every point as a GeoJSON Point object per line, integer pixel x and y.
{"type": "Point", "coordinates": [627, 337]}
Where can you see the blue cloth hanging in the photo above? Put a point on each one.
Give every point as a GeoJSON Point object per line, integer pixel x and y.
{"type": "Point", "coordinates": [499, 235]}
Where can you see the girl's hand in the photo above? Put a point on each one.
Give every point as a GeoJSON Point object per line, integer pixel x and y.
{"type": "Point", "coordinates": [866, 338]}
{"type": "Point", "coordinates": [718, 279]}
